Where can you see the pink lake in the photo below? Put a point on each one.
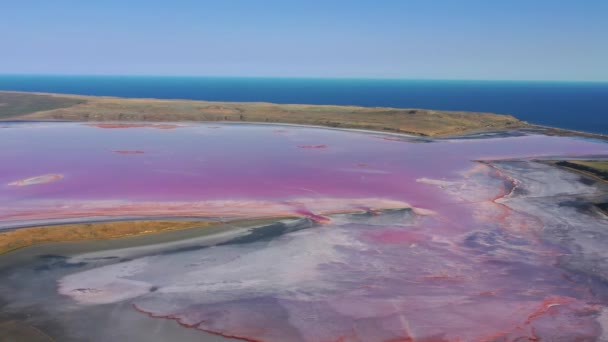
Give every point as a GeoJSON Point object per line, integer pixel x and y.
{"type": "Point", "coordinates": [409, 239]}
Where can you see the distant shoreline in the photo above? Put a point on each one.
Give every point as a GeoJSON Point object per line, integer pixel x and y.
{"type": "Point", "coordinates": [412, 121]}
{"type": "Point", "coordinates": [69, 111]}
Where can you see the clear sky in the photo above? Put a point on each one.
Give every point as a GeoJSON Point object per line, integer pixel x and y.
{"type": "Point", "coordinates": [437, 39]}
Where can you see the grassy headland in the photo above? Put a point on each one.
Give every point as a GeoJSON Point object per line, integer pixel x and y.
{"type": "Point", "coordinates": [424, 122]}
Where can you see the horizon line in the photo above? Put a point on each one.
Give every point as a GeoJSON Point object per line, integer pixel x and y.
{"type": "Point", "coordinates": [306, 77]}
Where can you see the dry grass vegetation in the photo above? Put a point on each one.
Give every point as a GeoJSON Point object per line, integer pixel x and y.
{"type": "Point", "coordinates": [16, 104]}
{"type": "Point", "coordinates": [601, 166]}
{"type": "Point", "coordinates": [410, 121]}
{"type": "Point", "coordinates": [20, 238]}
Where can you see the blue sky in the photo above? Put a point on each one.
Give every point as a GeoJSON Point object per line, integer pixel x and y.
{"type": "Point", "coordinates": [436, 39]}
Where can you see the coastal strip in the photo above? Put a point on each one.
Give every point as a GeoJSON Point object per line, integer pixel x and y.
{"type": "Point", "coordinates": [412, 121]}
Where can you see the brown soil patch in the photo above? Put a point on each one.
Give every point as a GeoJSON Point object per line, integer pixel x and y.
{"type": "Point", "coordinates": [24, 237]}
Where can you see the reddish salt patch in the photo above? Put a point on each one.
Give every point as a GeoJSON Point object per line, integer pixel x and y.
{"type": "Point", "coordinates": [301, 210]}
{"type": "Point", "coordinates": [316, 218]}
{"type": "Point", "coordinates": [37, 180]}
{"type": "Point", "coordinates": [127, 152]}
{"type": "Point", "coordinates": [312, 146]}
{"type": "Point", "coordinates": [398, 236]}
{"type": "Point", "coordinates": [488, 293]}
{"type": "Point", "coordinates": [128, 125]}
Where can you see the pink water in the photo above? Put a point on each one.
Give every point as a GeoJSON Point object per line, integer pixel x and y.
{"type": "Point", "coordinates": [465, 265]}
{"type": "Point", "coordinates": [183, 165]}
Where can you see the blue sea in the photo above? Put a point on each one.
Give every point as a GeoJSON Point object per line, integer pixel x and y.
{"type": "Point", "coordinates": [579, 106]}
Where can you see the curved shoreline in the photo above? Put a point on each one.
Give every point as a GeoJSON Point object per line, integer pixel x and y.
{"type": "Point", "coordinates": [73, 103]}
{"type": "Point", "coordinates": [414, 121]}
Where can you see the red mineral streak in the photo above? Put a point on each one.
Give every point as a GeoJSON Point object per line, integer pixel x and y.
{"type": "Point", "coordinates": [37, 180]}
{"type": "Point", "coordinates": [505, 190]}
{"type": "Point", "coordinates": [312, 146]}
{"type": "Point", "coordinates": [316, 218]}
{"type": "Point", "coordinates": [546, 305]}
{"type": "Point", "coordinates": [521, 225]}
{"type": "Point", "coordinates": [217, 333]}
{"type": "Point", "coordinates": [488, 293]}
{"type": "Point", "coordinates": [196, 326]}
{"type": "Point", "coordinates": [133, 125]}
{"type": "Point", "coordinates": [127, 152]}
{"type": "Point", "coordinates": [301, 209]}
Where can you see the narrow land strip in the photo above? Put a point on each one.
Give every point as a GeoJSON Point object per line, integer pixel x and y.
{"type": "Point", "coordinates": [423, 122]}
{"type": "Point", "coordinates": [25, 237]}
